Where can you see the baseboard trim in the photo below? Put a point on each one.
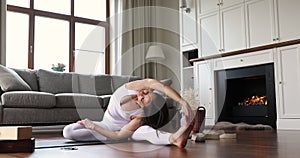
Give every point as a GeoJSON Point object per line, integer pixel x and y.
{"type": "Point", "coordinates": [47, 129]}
{"type": "Point", "coordinates": [288, 124]}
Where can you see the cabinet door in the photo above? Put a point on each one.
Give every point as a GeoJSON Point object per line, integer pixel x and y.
{"type": "Point", "coordinates": [188, 78]}
{"type": "Point", "coordinates": [288, 19]}
{"type": "Point", "coordinates": [226, 3]}
{"type": "Point", "coordinates": [233, 28]}
{"type": "Point", "coordinates": [209, 34]}
{"type": "Point", "coordinates": [260, 22]}
{"type": "Point", "coordinates": [208, 6]}
{"type": "Point", "coordinates": [203, 83]}
{"type": "Point", "coordinates": [289, 81]}
{"type": "Point", "coordinates": [189, 28]}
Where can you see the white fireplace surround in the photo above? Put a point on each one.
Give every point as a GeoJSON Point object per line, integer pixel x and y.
{"type": "Point", "coordinates": [288, 116]}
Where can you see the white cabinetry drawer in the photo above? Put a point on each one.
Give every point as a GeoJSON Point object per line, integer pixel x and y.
{"type": "Point", "coordinates": [243, 60]}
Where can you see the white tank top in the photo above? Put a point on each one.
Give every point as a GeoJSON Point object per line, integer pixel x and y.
{"type": "Point", "coordinates": [114, 113]}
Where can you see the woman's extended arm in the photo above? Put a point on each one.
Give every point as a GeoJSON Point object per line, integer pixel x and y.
{"type": "Point", "coordinates": [147, 84]}
{"type": "Point", "coordinates": [125, 132]}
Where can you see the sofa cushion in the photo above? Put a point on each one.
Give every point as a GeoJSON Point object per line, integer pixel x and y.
{"type": "Point", "coordinates": [11, 81]}
{"type": "Point", "coordinates": [29, 76]}
{"type": "Point", "coordinates": [77, 100]}
{"type": "Point", "coordinates": [28, 99]}
{"type": "Point", "coordinates": [53, 116]}
{"type": "Point", "coordinates": [105, 100]}
{"type": "Point", "coordinates": [95, 84]}
{"type": "Point", "coordinates": [55, 82]}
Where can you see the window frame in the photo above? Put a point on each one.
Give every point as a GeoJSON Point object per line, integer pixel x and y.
{"type": "Point", "coordinates": [72, 20]}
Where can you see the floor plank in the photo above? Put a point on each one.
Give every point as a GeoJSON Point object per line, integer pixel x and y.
{"type": "Point", "coordinates": [248, 144]}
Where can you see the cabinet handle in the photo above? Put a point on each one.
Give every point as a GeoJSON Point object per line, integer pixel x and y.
{"type": "Point", "coordinates": [280, 82]}
{"type": "Point", "coordinates": [210, 89]}
{"type": "Point", "coordinates": [241, 60]}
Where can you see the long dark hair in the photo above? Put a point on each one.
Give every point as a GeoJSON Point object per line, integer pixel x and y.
{"type": "Point", "coordinates": [156, 115]}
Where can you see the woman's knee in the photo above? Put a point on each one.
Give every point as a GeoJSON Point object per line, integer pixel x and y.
{"type": "Point", "coordinates": [69, 131]}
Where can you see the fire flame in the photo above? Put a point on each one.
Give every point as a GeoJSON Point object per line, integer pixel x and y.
{"type": "Point", "coordinates": [254, 100]}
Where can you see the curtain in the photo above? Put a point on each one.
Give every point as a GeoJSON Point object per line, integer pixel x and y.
{"type": "Point", "coordinates": [2, 31]}
{"type": "Point", "coordinates": [137, 35]}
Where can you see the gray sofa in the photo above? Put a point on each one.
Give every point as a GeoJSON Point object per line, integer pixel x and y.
{"type": "Point", "coordinates": [42, 97]}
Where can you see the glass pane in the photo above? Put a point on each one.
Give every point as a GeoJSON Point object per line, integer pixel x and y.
{"type": "Point", "coordinates": [91, 9]}
{"type": "Point", "coordinates": [51, 43]}
{"type": "Point", "coordinates": [89, 37]}
{"type": "Point", "coordinates": [90, 48]}
{"type": "Point", "coordinates": [57, 6]}
{"type": "Point", "coordinates": [21, 3]}
{"type": "Point", "coordinates": [17, 40]}
{"type": "Point", "coordinates": [89, 62]}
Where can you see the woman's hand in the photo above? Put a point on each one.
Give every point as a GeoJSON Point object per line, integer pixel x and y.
{"type": "Point", "coordinates": [188, 113]}
{"type": "Point", "coordinates": [87, 123]}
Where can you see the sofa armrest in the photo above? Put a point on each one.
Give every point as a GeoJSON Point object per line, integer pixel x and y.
{"type": "Point", "coordinates": [105, 100]}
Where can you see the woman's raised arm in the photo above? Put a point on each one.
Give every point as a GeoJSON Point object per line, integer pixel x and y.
{"type": "Point", "coordinates": [147, 84]}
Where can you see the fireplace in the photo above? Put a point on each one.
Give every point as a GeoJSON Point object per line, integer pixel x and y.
{"type": "Point", "coordinates": [246, 95]}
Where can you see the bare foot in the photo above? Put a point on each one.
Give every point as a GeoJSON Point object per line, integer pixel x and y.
{"type": "Point", "coordinates": [180, 137]}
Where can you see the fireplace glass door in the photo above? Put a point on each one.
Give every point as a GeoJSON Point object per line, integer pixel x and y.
{"type": "Point", "coordinates": [246, 95]}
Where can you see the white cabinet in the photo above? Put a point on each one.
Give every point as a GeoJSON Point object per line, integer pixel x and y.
{"type": "Point", "coordinates": [222, 30]}
{"type": "Point", "coordinates": [213, 5]}
{"type": "Point", "coordinates": [288, 87]}
{"type": "Point", "coordinates": [260, 22]}
{"type": "Point", "coordinates": [208, 6]}
{"type": "Point", "coordinates": [188, 78]}
{"type": "Point", "coordinates": [288, 19]}
{"type": "Point", "coordinates": [188, 27]}
{"type": "Point", "coordinates": [204, 84]}
{"type": "Point", "coordinates": [187, 70]}
{"type": "Point", "coordinates": [189, 43]}
{"type": "Point", "coordinates": [209, 34]}
{"type": "Point", "coordinates": [228, 25]}
{"type": "Point", "coordinates": [288, 66]}
{"type": "Point", "coordinates": [233, 28]}
{"type": "Point", "coordinates": [244, 60]}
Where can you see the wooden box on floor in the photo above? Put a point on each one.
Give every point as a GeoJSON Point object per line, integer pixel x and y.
{"type": "Point", "coordinates": [17, 146]}
{"type": "Point", "coordinates": [15, 132]}
{"type": "Point", "coordinates": [16, 139]}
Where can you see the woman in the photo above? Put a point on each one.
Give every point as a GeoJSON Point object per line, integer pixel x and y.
{"type": "Point", "coordinates": [135, 111]}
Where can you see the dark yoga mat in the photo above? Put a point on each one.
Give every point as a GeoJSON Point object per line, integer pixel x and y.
{"type": "Point", "coordinates": [61, 142]}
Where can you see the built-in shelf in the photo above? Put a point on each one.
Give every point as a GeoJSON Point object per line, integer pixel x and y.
{"type": "Point", "coordinates": [188, 55]}
{"type": "Point", "coordinates": [187, 68]}
{"type": "Point", "coordinates": [249, 50]}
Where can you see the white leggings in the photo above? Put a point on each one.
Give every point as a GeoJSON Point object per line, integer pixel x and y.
{"type": "Point", "coordinates": [79, 133]}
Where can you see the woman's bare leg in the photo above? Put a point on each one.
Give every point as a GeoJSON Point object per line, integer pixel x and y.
{"type": "Point", "coordinates": [180, 137]}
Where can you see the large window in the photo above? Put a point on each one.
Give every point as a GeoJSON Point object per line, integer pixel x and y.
{"type": "Point", "coordinates": [17, 40]}
{"type": "Point", "coordinates": [41, 33]}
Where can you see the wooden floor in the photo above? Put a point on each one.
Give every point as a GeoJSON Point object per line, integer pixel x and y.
{"type": "Point", "coordinates": [249, 144]}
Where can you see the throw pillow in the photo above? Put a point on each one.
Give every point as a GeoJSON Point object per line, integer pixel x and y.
{"type": "Point", "coordinates": [29, 76]}
{"type": "Point", "coordinates": [11, 81]}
